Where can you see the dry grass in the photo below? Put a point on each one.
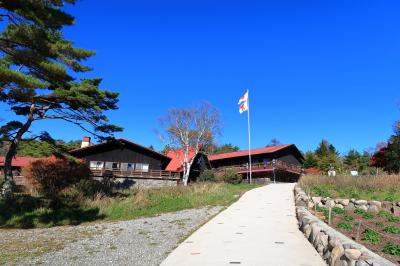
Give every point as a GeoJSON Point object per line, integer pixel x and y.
{"type": "Point", "coordinates": [149, 202]}
{"type": "Point", "coordinates": [382, 187]}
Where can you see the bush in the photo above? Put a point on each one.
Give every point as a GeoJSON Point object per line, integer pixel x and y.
{"type": "Point", "coordinates": [393, 219]}
{"type": "Point", "coordinates": [49, 176]}
{"type": "Point", "coordinates": [392, 249]}
{"type": "Point", "coordinates": [207, 176]}
{"type": "Point", "coordinates": [392, 229]}
{"type": "Point", "coordinates": [338, 210]}
{"type": "Point", "coordinates": [348, 218]}
{"type": "Point", "coordinates": [364, 214]}
{"type": "Point", "coordinates": [384, 213]}
{"type": "Point", "coordinates": [380, 224]}
{"type": "Point", "coordinates": [371, 236]}
{"type": "Point", "coordinates": [91, 187]}
{"type": "Point", "coordinates": [345, 226]}
{"type": "Point", "coordinates": [232, 177]}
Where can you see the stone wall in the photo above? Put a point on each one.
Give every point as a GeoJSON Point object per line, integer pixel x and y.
{"type": "Point", "coordinates": [335, 248]}
{"type": "Point", "coordinates": [130, 183]}
{"type": "Point", "coordinates": [372, 206]}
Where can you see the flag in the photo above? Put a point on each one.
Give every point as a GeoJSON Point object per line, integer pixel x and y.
{"type": "Point", "coordinates": [243, 107]}
{"type": "Point", "coordinates": [244, 98]}
{"type": "Point", "coordinates": [243, 103]}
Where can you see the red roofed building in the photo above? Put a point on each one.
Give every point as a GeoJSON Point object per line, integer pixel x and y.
{"type": "Point", "coordinates": [200, 162]}
{"type": "Point", "coordinates": [283, 161]}
{"type": "Point", "coordinates": [18, 163]}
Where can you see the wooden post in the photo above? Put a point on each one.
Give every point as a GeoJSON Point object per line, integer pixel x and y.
{"type": "Point", "coordinates": [330, 215]}
{"type": "Point", "coordinates": [358, 230]}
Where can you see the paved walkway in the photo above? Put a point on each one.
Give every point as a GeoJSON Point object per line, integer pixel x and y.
{"type": "Point", "coordinates": [259, 229]}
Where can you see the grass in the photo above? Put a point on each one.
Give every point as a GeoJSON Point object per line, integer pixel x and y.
{"type": "Point", "coordinates": [151, 202]}
{"type": "Point", "coordinates": [31, 212]}
{"type": "Point", "coordinates": [382, 188]}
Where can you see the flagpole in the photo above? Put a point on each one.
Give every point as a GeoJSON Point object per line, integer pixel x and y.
{"type": "Point", "coordinates": [249, 132]}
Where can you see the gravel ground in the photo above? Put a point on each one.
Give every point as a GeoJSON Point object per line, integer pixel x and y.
{"type": "Point", "coordinates": [145, 241]}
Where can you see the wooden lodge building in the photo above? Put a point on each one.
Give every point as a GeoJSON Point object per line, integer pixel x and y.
{"type": "Point", "coordinates": [130, 163]}
{"type": "Point", "coordinates": [282, 161]}
{"type": "Point", "coordinates": [121, 158]}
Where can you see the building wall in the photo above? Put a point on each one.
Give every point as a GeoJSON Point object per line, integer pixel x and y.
{"type": "Point", "coordinates": [124, 155]}
{"type": "Point", "coordinates": [285, 155]}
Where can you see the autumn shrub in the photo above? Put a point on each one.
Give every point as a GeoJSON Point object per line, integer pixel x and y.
{"type": "Point", "coordinates": [91, 187]}
{"type": "Point", "coordinates": [51, 175]}
{"type": "Point", "coordinates": [232, 177]}
{"type": "Point", "coordinates": [207, 176]}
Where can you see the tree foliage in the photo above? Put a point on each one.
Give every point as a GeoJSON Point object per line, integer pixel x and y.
{"type": "Point", "coordinates": [37, 74]}
{"type": "Point", "coordinates": [310, 160]}
{"type": "Point", "coordinates": [387, 156]}
{"type": "Point", "coordinates": [392, 155]}
{"type": "Point", "coordinates": [327, 156]}
{"type": "Point", "coordinates": [49, 176]}
{"type": "Point", "coordinates": [39, 148]}
{"type": "Point", "coordinates": [224, 148]}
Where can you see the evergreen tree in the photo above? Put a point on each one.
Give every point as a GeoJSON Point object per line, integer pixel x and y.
{"type": "Point", "coordinates": [225, 148]}
{"type": "Point", "coordinates": [327, 156]}
{"type": "Point", "coordinates": [352, 160]}
{"type": "Point", "coordinates": [310, 160]}
{"type": "Point", "coordinates": [37, 68]}
{"type": "Point", "coordinates": [392, 155]}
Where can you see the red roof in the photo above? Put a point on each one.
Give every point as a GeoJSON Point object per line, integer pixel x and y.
{"type": "Point", "coordinates": [19, 161]}
{"type": "Point", "coordinates": [271, 149]}
{"type": "Point", "coordinates": [312, 170]}
{"type": "Point", "coordinates": [177, 157]}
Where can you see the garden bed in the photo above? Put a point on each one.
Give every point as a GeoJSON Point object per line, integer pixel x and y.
{"type": "Point", "coordinates": [378, 232]}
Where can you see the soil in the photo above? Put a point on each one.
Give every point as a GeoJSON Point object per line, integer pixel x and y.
{"type": "Point", "coordinates": [365, 223]}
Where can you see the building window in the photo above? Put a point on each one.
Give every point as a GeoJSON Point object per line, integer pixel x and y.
{"type": "Point", "coordinates": [127, 166]}
{"type": "Point", "coordinates": [142, 167]}
{"type": "Point", "coordinates": [115, 166]}
{"type": "Point", "coordinates": [97, 165]}
{"type": "Point", "coordinates": [112, 166]}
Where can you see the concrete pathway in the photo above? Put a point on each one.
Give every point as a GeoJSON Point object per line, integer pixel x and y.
{"type": "Point", "coordinates": [259, 229]}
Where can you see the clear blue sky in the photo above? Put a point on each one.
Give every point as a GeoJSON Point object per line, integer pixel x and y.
{"type": "Point", "coordinates": [315, 69]}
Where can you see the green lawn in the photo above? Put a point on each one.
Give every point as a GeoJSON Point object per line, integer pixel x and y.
{"type": "Point", "coordinates": [150, 202]}
{"type": "Point", "coordinates": [30, 212]}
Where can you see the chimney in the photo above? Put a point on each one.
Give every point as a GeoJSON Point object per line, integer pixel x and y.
{"type": "Point", "coordinates": [85, 142]}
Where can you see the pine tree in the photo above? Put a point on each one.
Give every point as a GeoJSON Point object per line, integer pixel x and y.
{"type": "Point", "coordinates": [37, 67]}
{"type": "Point", "coordinates": [310, 160]}
{"type": "Point", "coordinates": [392, 155]}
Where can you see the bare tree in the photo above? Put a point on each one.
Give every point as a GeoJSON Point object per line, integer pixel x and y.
{"type": "Point", "coordinates": [273, 142]}
{"type": "Point", "coordinates": [190, 130]}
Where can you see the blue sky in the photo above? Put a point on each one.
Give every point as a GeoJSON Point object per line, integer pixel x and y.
{"type": "Point", "coordinates": [315, 69]}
